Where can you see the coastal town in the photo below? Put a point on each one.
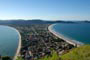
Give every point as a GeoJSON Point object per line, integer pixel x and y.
{"type": "Point", "coordinates": [44, 29]}
{"type": "Point", "coordinates": [37, 42]}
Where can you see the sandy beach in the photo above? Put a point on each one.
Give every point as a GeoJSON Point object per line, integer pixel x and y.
{"type": "Point", "coordinates": [73, 42]}
{"type": "Point", "coordinates": [19, 44]}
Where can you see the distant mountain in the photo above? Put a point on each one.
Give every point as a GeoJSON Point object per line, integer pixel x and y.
{"type": "Point", "coordinates": [27, 22]}
{"type": "Point", "coordinates": [37, 21]}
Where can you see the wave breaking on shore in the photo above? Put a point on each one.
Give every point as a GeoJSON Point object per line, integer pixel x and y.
{"type": "Point", "coordinates": [68, 40]}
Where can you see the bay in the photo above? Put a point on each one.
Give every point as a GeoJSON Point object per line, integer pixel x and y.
{"type": "Point", "coordinates": [9, 40]}
{"type": "Point", "coordinates": [74, 31]}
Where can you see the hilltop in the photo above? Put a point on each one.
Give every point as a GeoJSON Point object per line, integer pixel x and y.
{"type": "Point", "coordinates": [80, 53]}
{"type": "Point", "coordinates": [36, 21]}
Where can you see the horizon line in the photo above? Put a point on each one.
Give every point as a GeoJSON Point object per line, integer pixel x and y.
{"type": "Point", "coordinates": [49, 19]}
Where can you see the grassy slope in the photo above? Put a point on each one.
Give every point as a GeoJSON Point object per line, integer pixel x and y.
{"type": "Point", "coordinates": [53, 57]}
{"type": "Point", "coordinates": [19, 58]}
{"type": "Point", "coordinates": [80, 53]}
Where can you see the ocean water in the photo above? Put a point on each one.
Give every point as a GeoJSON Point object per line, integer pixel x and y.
{"type": "Point", "coordinates": [74, 31]}
{"type": "Point", "coordinates": [9, 39]}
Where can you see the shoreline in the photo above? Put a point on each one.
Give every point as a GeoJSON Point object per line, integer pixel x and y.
{"type": "Point", "coordinates": [19, 45]}
{"type": "Point", "coordinates": [70, 41]}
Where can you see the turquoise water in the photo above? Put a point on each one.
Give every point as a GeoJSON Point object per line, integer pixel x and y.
{"type": "Point", "coordinates": [9, 39]}
{"type": "Point", "coordinates": [77, 31]}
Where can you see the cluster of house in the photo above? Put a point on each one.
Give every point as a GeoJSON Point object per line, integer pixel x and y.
{"type": "Point", "coordinates": [38, 42]}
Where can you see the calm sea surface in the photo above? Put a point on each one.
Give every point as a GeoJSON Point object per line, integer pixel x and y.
{"type": "Point", "coordinates": [79, 32]}
{"type": "Point", "coordinates": [9, 39]}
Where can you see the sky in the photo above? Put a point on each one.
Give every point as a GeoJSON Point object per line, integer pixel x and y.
{"type": "Point", "coordinates": [45, 9]}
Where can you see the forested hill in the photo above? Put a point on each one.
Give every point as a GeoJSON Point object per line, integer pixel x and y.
{"type": "Point", "coordinates": [32, 22]}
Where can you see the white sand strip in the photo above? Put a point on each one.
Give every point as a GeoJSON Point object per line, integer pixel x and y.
{"type": "Point", "coordinates": [73, 42]}
{"type": "Point", "coordinates": [19, 46]}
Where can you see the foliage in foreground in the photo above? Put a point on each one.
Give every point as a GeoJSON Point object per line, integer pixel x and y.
{"type": "Point", "coordinates": [19, 58]}
{"type": "Point", "coordinates": [6, 58]}
{"type": "Point", "coordinates": [80, 53]}
{"type": "Point", "coordinates": [54, 56]}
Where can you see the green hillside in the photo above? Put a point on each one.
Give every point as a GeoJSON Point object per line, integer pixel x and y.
{"type": "Point", "coordinates": [80, 53]}
{"type": "Point", "coordinates": [54, 56]}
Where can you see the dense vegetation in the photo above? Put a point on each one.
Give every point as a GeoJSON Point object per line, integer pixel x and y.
{"type": "Point", "coordinates": [80, 53]}
{"type": "Point", "coordinates": [54, 56]}
{"type": "Point", "coordinates": [19, 58]}
{"type": "Point", "coordinates": [6, 58]}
